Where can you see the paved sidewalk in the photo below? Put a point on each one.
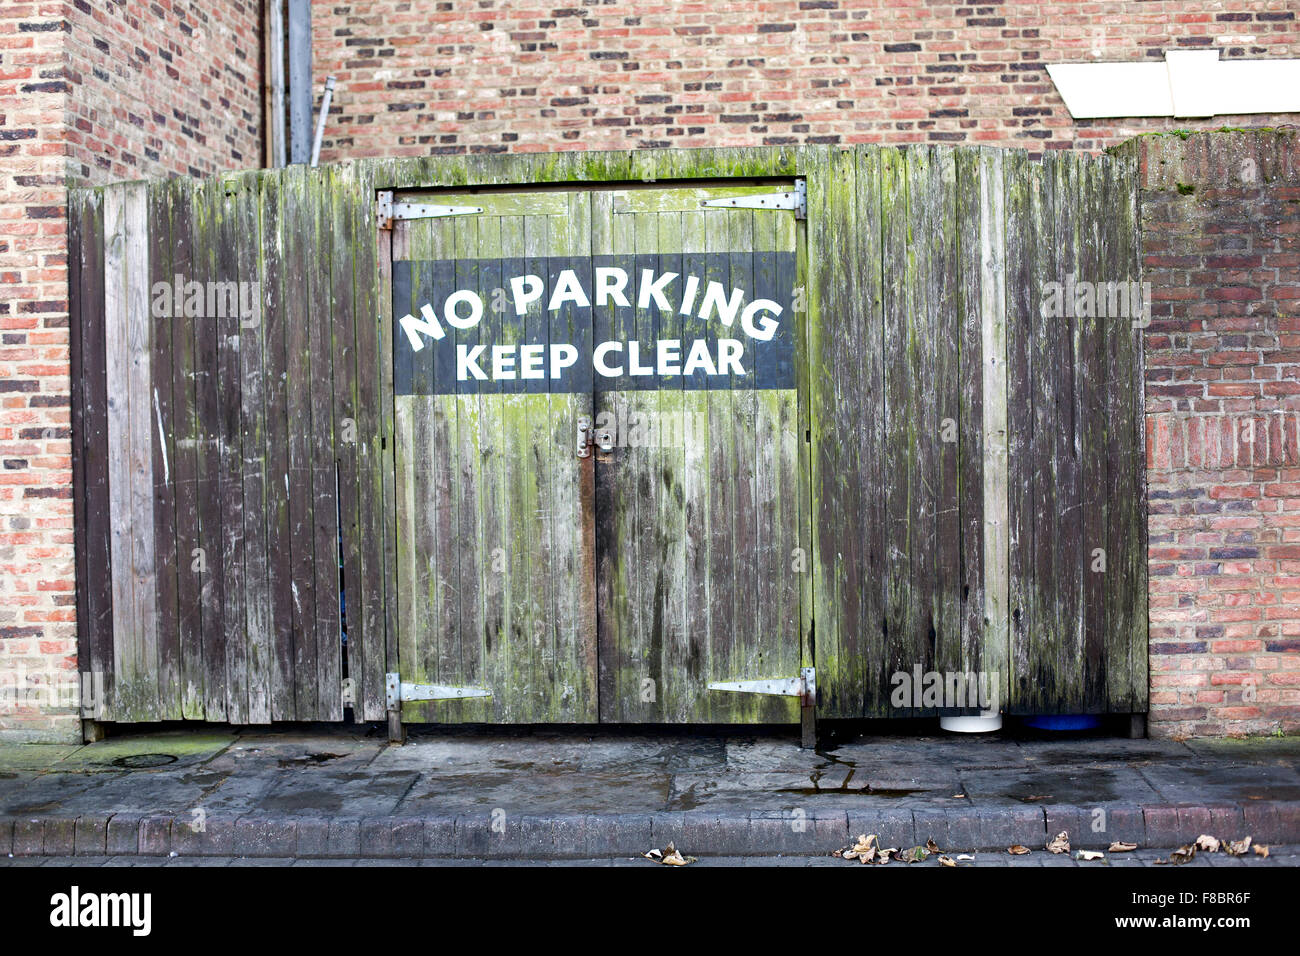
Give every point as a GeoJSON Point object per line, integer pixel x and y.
{"type": "Point", "coordinates": [1278, 856]}
{"type": "Point", "coordinates": [345, 793]}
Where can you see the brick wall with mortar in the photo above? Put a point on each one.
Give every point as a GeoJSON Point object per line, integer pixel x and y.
{"type": "Point", "coordinates": [1221, 247]}
{"type": "Point", "coordinates": [502, 75]}
{"type": "Point", "coordinates": [81, 86]}
{"type": "Point", "coordinates": [89, 92]}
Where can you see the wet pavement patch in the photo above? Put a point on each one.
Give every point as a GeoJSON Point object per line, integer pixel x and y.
{"type": "Point", "coordinates": [143, 761]}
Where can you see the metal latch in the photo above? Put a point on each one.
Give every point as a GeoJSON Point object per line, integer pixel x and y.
{"type": "Point", "coordinates": [804, 686]}
{"type": "Point", "coordinates": [349, 689]}
{"type": "Point", "coordinates": [797, 200]}
{"type": "Point", "coordinates": [386, 210]}
{"type": "Point", "coordinates": [584, 437]}
{"type": "Point", "coordinates": [398, 690]}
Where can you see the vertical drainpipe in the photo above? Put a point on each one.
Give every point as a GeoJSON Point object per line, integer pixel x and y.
{"type": "Point", "coordinates": [300, 92]}
{"type": "Point", "coordinates": [276, 154]}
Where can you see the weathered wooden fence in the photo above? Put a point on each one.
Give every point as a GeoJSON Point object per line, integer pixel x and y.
{"type": "Point", "coordinates": [970, 458]}
{"type": "Point", "coordinates": [978, 489]}
{"type": "Point", "coordinates": [223, 448]}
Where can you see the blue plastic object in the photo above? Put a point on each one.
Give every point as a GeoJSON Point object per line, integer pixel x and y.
{"type": "Point", "coordinates": [1064, 722]}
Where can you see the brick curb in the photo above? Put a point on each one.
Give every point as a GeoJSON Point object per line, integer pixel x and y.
{"type": "Point", "coordinates": [587, 836]}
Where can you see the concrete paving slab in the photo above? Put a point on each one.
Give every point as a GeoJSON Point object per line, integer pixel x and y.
{"type": "Point", "coordinates": [174, 749]}
{"type": "Point", "coordinates": [1216, 782]}
{"type": "Point", "coordinates": [45, 792]}
{"type": "Point", "coordinates": [556, 792]}
{"type": "Point", "coordinates": [33, 756]}
{"type": "Point", "coordinates": [351, 793]}
{"type": "Point", "coordinates": [267, 752]}
{"type": "Point", "coordinates": [1079, 785]}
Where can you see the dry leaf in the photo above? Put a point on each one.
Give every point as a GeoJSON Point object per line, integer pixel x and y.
{"type": "Point", "coordinates": [1237, 847]}
{"type": "Point", "coordinates": [1018, 850]}
{"type": "Point", "coordinates": [1119, 846]}
{"type": "Point", "coordinates": [913, 855]}
{"type": "Point", "coordinates": [946, 860]}
{"type": "Point", "coordinates": [1060, 843]}
{"type": "Point", "coordinates": [674, 858]}
{"type": "Point", "coordinates": [1038, 796]}
{"type": "Point", "coordinates": [1184, 854]}
{"type": "Point", "coordinates": [965, 856]}
{"type": "Point", "coordinates": [931, 846]}
{"type": "Point", "coordinates": [1261, 850]}
{"type": "Point", "coordinates": [668, 856]}
{"type": "Point", "coordinates": [1090, 855]}
{"type": "Point", "coordinates": [1207, 843]}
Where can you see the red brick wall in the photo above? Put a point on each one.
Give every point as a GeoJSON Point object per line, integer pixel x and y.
{"type": "Point", "coordinates": [1221, 241]}
{"type": "Point", "coordinates": [37, 626]}
{"type": "Point", "coordinates": [91, 91]}
{"type": "Point", "coordinates": [163, 89]}
{"type": "Point", "coordinates": [492, 75]}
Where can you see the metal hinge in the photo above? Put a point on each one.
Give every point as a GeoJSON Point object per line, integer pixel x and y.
{"type": "Point", "coordinates": [386, 210]}
{"type": "Point", "coordinates": [398, 690]}
{"type": "Point", "coordinates": [796, 200]}
{"type": "Point", "coordinates": [804, 686]}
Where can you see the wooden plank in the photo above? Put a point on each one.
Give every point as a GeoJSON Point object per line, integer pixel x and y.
{"type": "Point", "coordinates": [1069, 676]}
{"type": "Point", "coordinates": [90, 392]}
{"type": "Point", "coordinates": [208, 403]}
{"type": "Point", "coordinates": [569, 492]}
{"type": "Point", "coordinates": [942, 291]}
{"type": "Point", "coordinates": [993, 324]}
{"type": "Point", "coordinates": [300, 247]}
{"type": "Point", "coordinates": [623, 694]}
{"type": "Point", "coordinates": [837, 316]}
{"type": "Point", "coordinates": [277, 284]}
{"type": "Point", "coordinates": [1036, 668]}
{"type": "Point", "coordinates": [1092, 389]}
{"type": "Point", "coordinates": [166, 324]}
{"type": "Point", "coordinates": [1126, 593]}
{"type": "Point", "coordinates": [128, 324]}
{"type": "Point", "coordinates": [460, 649]}
{"type": "Point", "coordinates": [80, 312]}
{"type": "Point", "coordinates": [116, 362]}
{"type": "Point", "coordinates": [347, 440]}
{"type": "Point", "coordinates": [666, 458]}
{"type": "Point", "coordinates": [258, 635]}
{"type": "Point", "coordinates": [324, 488]}
{"type": "Point", "coordinates": [725, 647]}
{"type": "Point", "coordinates": [230, 386]}
{"type": "Point", "coordinates": [376, 597]}
{"type": "Point", "coordinates": [1023, 184]}
{"type": "Point", "coordinates": [898, 412]}
{"type": "Point", "coordinates": [970, 417]}
{"type": "Point", "coordinates": [184, 459]}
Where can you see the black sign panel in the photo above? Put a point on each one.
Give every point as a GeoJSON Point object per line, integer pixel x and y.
{"type": "Point", "coordinates": [601, 323]}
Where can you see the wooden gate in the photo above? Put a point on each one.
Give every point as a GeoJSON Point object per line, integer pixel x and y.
{"type": "Point", "coordinates": [947, 478]}
{"type": "Point", "coordinates": [596, 409]}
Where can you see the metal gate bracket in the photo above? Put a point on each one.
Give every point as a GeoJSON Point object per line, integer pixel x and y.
{"type": "Point", "coordinates": [386, 210]}
{"type": "Point", "coordinates": [399, 690]}
{"type": "Point", "coordinates": [349, 692]}
{"type": "Point", "coordinates": [804, 687]}
{"type": "Point", "coordinates": [796, 200]}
